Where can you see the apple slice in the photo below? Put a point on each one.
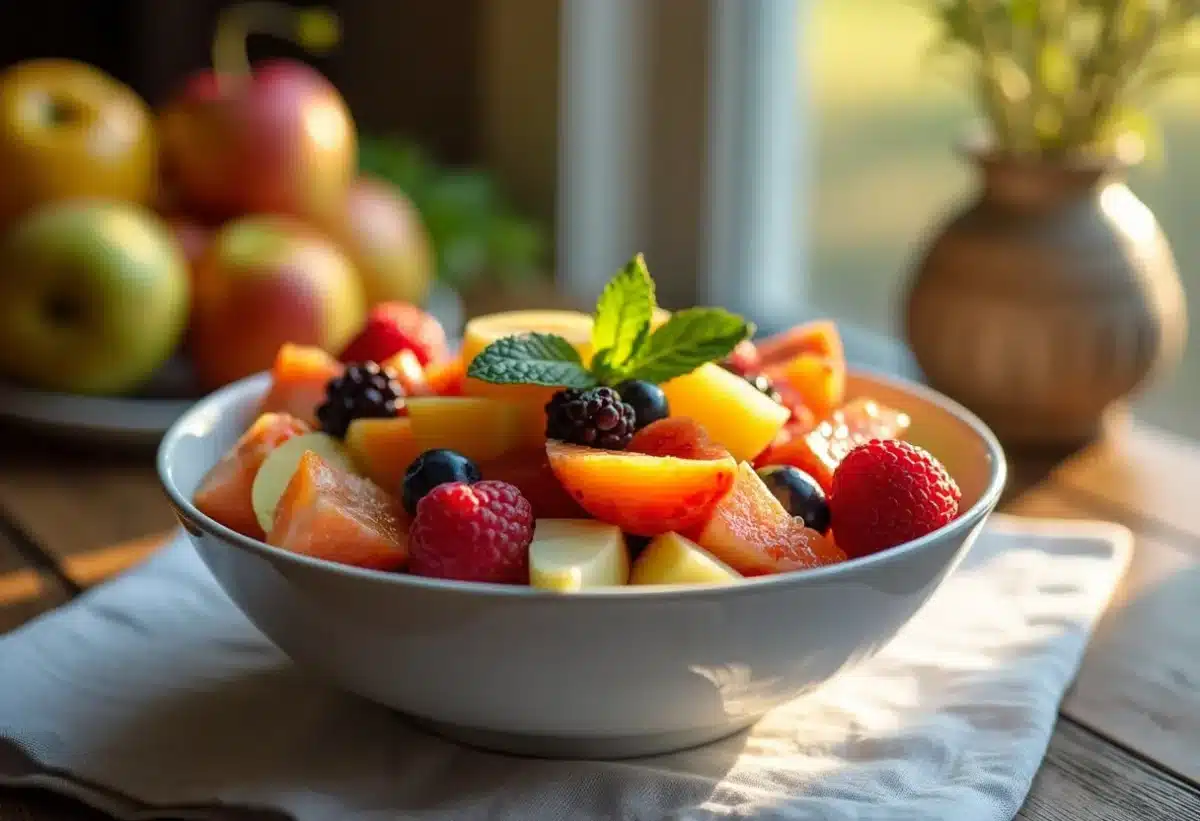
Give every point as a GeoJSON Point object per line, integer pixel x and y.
{"type": "Point", "coordinates": [571, 554]}
{"type": "Point", "coordinates": [281, 463]}
{"type": "Point", "coordinates": [674, 559]}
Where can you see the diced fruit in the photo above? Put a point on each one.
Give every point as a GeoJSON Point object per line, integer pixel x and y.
{"type": "Point", "coordinates": [225, 494]}
{"type": "Point", "coordinates": [820, 381]}
{"type": "Point", "coordinates": [473, 533]}
{"type": "Point", "coordinates": [678, 436]}
{"type": "Point", "coordinates": [392, 327]}
{"type": "Point", "coordinates": [819, 451]}
{"type": "Point", "coordinates": [480, 429]}
{"type": "Point", "coordinates": [480, 332]}
{"type": "Point", "coordinates": [887, 492]}
{"type": "Point", "coordinates": [751, 532]}
{"type": "Point", "coordinates": [445, 378]}
{"type": "Point", "coordinates": [643, 495]}
{"type": "Point", "coordinates": [730, 409]}
{"type": "Point", "coordinates": [819, 337]}
{"type": "Point", "coordinates": [334, 515]}
{"type": "Point", "coordinates": [277, 469]}
{"type": "Point", "coordinates": [433, 468]}
{"type": "Point", "coordinates": [408, 372]}
{"type": "Point", "coordinates": [298, 380]}
{"type": "Point", "coordinates": [573, 326]}
{"type": "Point", "coordinates": [674, 559]}
{"type": "Point", "coordinates": [800, 494]}
{"type": "Point", "coordinates": [573, 554]}
{"type": "Point", "coordinates": [745, 359]}
{"type": "Point", "coordinates": [596, 417]}
{"type": "Point", "coordinates": [382, 449]}
{"type": "Point", "coordinates": [648, 401]}
{"type": "Point", "coordinates": [363, 391]}
{"type": "Point", "coordinates": [529, 470]}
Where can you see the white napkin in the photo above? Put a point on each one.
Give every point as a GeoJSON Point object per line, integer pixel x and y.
{"type": "Point", "coordinates": [152, 696]}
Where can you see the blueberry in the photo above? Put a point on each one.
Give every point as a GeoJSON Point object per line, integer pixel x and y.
{"type": "Point", "coordinates": [799, 493]}
{"type": "Point", "coordinates": [433, 468]}
{"type": "Point", "coordinates": [648, 401]}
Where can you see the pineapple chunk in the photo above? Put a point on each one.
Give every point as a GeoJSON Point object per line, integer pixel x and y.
{"type": "Point", "coordinates": [734, 412]}
{"type": "Point", "coordinates": [674, 559]}
{"type": "Point", "coordinates": [572, 554]}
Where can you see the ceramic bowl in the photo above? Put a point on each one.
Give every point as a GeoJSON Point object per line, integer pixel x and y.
{"type": "Point", "coordinates": [606, 674]}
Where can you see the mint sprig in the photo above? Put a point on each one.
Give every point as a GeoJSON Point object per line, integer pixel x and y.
{"type": "Point", "coordinates": [623, 315]}
{"type": "Point", "coordinates": [532, 359]}
{"type": "Point", "coordinates": [622, 341]}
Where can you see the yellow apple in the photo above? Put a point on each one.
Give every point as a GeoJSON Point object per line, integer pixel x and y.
{"type": "Point", "coordinates": [93, 297]}
{"type": "Point", "coordinates": [383, 234]}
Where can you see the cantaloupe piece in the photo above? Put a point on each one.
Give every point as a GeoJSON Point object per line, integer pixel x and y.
{"type": "Point", "coordinates": [298, 380]}
{"type": "Point", "coordinates": [735, 414]}
{"type": "Point", "coordinates": [480, 429]}
{"type": "Point", "coordinates": [225, 493]}
{"type": "Point", "coordinates": [382, 449]}
{"type": "Point", "coordinates": [334, 515]}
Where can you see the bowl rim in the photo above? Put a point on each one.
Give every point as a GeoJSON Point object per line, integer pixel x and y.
{"type": "Point", "coordinates": [966, 521]}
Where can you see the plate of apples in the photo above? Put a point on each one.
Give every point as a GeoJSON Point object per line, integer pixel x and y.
{"type": "Point", "coordinates": [148, 258]}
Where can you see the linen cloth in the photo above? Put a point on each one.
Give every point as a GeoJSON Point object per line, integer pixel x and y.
{"type": "Point", "coordinates": [153, 696]}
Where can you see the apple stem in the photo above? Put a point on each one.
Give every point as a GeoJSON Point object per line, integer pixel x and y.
{"type": "Point", "coordinates": [314, 29]}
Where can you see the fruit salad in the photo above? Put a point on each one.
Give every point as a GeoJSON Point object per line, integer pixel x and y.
{"type": "Point", "coordinates": [569, 452]}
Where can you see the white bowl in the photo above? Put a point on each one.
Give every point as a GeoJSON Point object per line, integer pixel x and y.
{"type": "Point", "coordinates": [605, 674]}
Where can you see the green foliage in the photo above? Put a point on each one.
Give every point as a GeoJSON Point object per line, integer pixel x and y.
{"type": "Point", "coordinates": [1058, 78]}
{"type": "Point", "coordinates": [475, 231]}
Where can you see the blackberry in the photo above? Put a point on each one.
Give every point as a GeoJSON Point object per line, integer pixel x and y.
{"type": "Point", "coordinates": [363, 391]}
{"type": "Point", "coordinates": [596, 417]}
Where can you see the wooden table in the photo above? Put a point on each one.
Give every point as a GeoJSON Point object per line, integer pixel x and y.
{"type": "Point", "coordinates": [1127, 745]}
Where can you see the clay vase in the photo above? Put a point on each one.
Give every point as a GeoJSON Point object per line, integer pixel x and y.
{"type": "Point", "coordinates": [1047, 299]}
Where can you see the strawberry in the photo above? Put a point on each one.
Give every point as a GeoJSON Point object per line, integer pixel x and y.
{"type": "Point", "coordinates": [887, 492]}
{"type": "Point", "coordinates": [392, 327]}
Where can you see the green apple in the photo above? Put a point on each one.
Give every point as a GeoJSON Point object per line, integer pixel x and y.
{"type": "Point", "coordinates": [93, 297]}
{"type": "Point", "coordinates": [573, 554]}
{"type": "Point", "coordinates": [277, 470]}
{"type": "Point", "coordinates": [674, 559]}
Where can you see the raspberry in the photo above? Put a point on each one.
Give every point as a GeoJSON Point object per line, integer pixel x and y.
{"type": "Point", "coordinates": [392, 327]}
{"type": "Point", "coordinates": [596, 418]}
{"type": "Point", "coordinates": [472, 533]}
{"type": "Point", "coordinates": [364, 390]}
{"type": "Point", "coordinates": [887, 492]}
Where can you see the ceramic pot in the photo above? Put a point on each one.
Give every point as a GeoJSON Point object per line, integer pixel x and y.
{"type": "Point", "coordinates": [1047, 299]}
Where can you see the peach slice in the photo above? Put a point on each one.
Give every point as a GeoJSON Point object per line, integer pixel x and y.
{"type": "Point", "coordinates": [642, 494]}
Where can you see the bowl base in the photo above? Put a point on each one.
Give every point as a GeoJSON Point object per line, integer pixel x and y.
{"type": "Point", "coordinates": [605, 748]}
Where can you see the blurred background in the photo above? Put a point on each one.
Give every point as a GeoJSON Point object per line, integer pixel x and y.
{"type": "Point", "coordinates": [787, 158]}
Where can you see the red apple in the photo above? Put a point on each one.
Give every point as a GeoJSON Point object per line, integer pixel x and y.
{"type": "Point", "coordinates": [273, 138]}
{"type": "Point", "coordinates": [265, 280]}
{"type": "Point", "coordinates": [382, 232]}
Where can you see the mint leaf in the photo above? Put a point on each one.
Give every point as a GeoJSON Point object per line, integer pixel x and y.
{"type": "Point", "coordinates": [623, 314]}
{"type": "Point", "coordinates": [531, 359]}
{"type": "Point", "coordinates": [686, 341]}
